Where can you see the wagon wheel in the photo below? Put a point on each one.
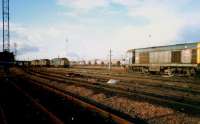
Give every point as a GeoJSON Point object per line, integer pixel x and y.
{"type": "Point", "coordinates": [171, 73]}
{"type": "Point", "coordinates": [145, 70]}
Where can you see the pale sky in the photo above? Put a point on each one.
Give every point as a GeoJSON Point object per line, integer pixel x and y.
{"type": "Point", "coordinates": [87, 29]}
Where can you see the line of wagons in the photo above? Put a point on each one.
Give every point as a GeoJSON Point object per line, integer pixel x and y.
{"type": "Point", "coordinates": [55, 62]}
{"type": "Point", "coordinates": [171, 59]}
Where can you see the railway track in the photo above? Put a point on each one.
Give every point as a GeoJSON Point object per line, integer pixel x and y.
{"type": "Point", "coordinates": [175, 102]}
{"type": "Point", "coordinates": [104, 72]}
{"type": "Point", "coordinates": [190, 88]}
{"type": "Point", "coordinates": [100, 113]}
{"type": "Point", "coordinates": [146, 85]}
{"type": "Point", "coordinates": [142, 82]}
{"type": "Point", "coordinates": [2, 116]}
{"type": "Point", "coordinates": [18, 107]}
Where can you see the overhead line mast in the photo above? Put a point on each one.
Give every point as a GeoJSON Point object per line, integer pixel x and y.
{"type": "Point", "coordinates": [6, 25]}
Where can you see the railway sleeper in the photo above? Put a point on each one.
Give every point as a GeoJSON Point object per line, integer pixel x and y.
{"type": "Point", "coordinates": [136, 120]}
{"type": "Point", "coordinates": [176, 103]}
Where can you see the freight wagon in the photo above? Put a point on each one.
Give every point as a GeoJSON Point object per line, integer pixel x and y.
{"type": "Point", "coordinates": [56, 62]}
{"type": "Point", "coordinates": [23, 63]}
{"type": "Point", "coordinates": [44, 62]}
{"type": "Point", "coordinates": [35, 63]}
{"type": "Point", "coordinates": [40, 63]}
{"type": "Point", "coordinates": [60, 62]}
{"type": "Point", "coordinates": [172, 59]}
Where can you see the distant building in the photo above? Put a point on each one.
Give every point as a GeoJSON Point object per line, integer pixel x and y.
{"type": "Point", "coordinates": [100, 62]}
{"type": "Point", "coordinates": [93, 62]}
{"type": "Point", "coordinates": [88, 62]}
{"type": "Point", "coordinates": [82, 62]}
{"type": "Point", "coordinates": [73, 62]}
{"type": "Point", "coordinates": [116, 62]}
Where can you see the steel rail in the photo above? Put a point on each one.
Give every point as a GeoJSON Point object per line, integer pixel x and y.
{"type": "Point", "coordinates": [50, 115]}
{"type": "Point", "coordinates": [2, 116]}
{"type": "Point", "coordinates": [194, 109]}
{"type": "Point", "coordinates": [87, 106]}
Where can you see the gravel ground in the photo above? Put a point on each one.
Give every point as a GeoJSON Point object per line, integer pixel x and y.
{"type": "Point", "coordinates": [154, 114]}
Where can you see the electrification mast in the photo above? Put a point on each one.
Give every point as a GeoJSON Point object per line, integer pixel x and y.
{"type": "Point", "coordinates": [6, 25]}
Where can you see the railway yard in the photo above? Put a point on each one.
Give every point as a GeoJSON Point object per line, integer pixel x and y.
{"type": "Point", "coordinates": [83, 94]}
{"type": "Point", "coordinates": [58, 70]}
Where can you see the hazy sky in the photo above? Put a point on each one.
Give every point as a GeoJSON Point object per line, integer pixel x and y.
{"type": "Point", "coordinates": [86, 29]}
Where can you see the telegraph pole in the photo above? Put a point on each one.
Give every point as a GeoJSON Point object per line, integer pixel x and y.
{"type": "Point", "coordinates": [110, 60]}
